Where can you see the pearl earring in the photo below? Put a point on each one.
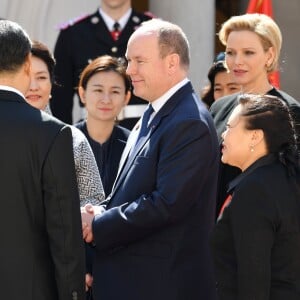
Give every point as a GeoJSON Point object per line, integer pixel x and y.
{"type": "Point", "coordinates": [251, 148]}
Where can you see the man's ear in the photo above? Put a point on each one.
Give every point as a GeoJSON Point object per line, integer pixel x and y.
{"type": "Point", "coordinates": [27, 64]}
{"type": "Point", "coordinates": [173, 62]}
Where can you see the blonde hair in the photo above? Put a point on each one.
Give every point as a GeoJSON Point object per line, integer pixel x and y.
{"type": "Point", "coordinates": [266, 29]}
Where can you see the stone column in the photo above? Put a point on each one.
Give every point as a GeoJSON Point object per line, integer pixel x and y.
{"type": "Point", "coordinates": [197, 19]}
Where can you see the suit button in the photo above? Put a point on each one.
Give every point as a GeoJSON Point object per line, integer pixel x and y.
{"type": "Point", "coordinates": [74, 295]}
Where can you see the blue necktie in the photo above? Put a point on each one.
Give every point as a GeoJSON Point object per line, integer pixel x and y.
{"type": "Point", "coordinates": [144, 126]}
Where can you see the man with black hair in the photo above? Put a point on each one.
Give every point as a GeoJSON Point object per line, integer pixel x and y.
{"type": "Point", "coordinates": [42, 251]}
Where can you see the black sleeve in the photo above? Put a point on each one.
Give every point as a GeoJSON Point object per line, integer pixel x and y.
{"type": "Point", "coordinates": [63, 90]}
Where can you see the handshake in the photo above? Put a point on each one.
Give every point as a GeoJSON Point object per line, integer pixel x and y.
{"type": "Point", "coordinates": [88, 212]}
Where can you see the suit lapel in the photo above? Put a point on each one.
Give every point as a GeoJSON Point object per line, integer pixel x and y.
{"type": "Point", "coordinates": [128, 156]}
{"type": "Point", "coordinates": [130, 143]}
{"type": "Point", "coordinates": [168, 107]}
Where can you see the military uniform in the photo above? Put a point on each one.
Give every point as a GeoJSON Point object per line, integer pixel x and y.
{"type": "Point", "coordinates": [79, 42]}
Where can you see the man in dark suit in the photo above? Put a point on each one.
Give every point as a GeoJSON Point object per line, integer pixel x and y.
{"type": "Point", "coordinates": [42, 253]}
{"type": "Point", "coordinates": [152, 238]}
{"type": "Point", "coordinates": [86, 38]}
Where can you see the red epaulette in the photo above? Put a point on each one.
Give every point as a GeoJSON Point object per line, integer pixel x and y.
{"type": "Point", "coordinates": [71, 22]}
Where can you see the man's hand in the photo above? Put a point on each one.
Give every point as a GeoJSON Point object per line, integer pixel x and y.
{"type": "Point", "coordinates": [88, 213]}
{"type": "Point", "coordinates": [88, 281]}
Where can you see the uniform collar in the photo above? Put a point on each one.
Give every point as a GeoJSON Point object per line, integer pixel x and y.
{"type": "Point", "coordinates": [109, 21]}
{"type": "Point", "coordinates": [265, 160]}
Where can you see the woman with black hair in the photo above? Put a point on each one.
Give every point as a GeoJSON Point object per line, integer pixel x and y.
{"type": "Point", "coordinates": [104, 90]}
{"type": "Point", "coordinates": [221, 82]}
{"type": "Point", "coordinates": [39, 94]}
{"type": "Point", "coordinates": [256, 241]}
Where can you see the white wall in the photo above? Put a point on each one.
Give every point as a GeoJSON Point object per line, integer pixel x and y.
{"type": "Point", "coordinates": [41, 18]}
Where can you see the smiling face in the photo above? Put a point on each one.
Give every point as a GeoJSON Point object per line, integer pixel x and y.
{"type": "Point", "coordinates": [247, 60]}
{"type": "Point", "coordinates": [104, 96]}
{"type": "Point", "coordinates": [149, 72]}
{"type": "Point", "coordinates": [39, 91]}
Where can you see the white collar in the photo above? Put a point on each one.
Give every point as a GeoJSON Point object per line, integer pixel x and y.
{"type": "Point", "coordinates": [158, 103]}
{"type": "Point", "coordinates": [11, 89]}
{"type": "Point", "coordinates": [109, 21]}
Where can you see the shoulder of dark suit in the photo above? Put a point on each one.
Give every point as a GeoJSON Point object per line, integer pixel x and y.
{"type": "Point", "coordinates": [138, 17]}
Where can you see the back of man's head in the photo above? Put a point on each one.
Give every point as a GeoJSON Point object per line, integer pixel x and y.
{"type": "Point", "coordinates": [15, 46]}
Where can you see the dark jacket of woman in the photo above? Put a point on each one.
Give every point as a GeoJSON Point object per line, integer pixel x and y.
{"type": "Point", "coordinates": [108, 154]}
{"type": "Point", "coordinates": [256, 242]}
{"type": "Point", "coordinates": [221, 111]}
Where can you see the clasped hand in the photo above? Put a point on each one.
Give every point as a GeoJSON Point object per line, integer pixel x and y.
{"type": "Point", "coordinates": [88, 212]}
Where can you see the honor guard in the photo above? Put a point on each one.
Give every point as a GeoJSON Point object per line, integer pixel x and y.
{"type": "Point", "coordinates": [83, 39]}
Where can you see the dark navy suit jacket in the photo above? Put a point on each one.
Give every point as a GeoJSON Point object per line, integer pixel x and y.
{"type": "Point", "coordinates": [152, 240]}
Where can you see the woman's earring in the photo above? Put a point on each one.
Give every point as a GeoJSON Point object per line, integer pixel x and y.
{"type": "Point", "coordinates": [251, 148]}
